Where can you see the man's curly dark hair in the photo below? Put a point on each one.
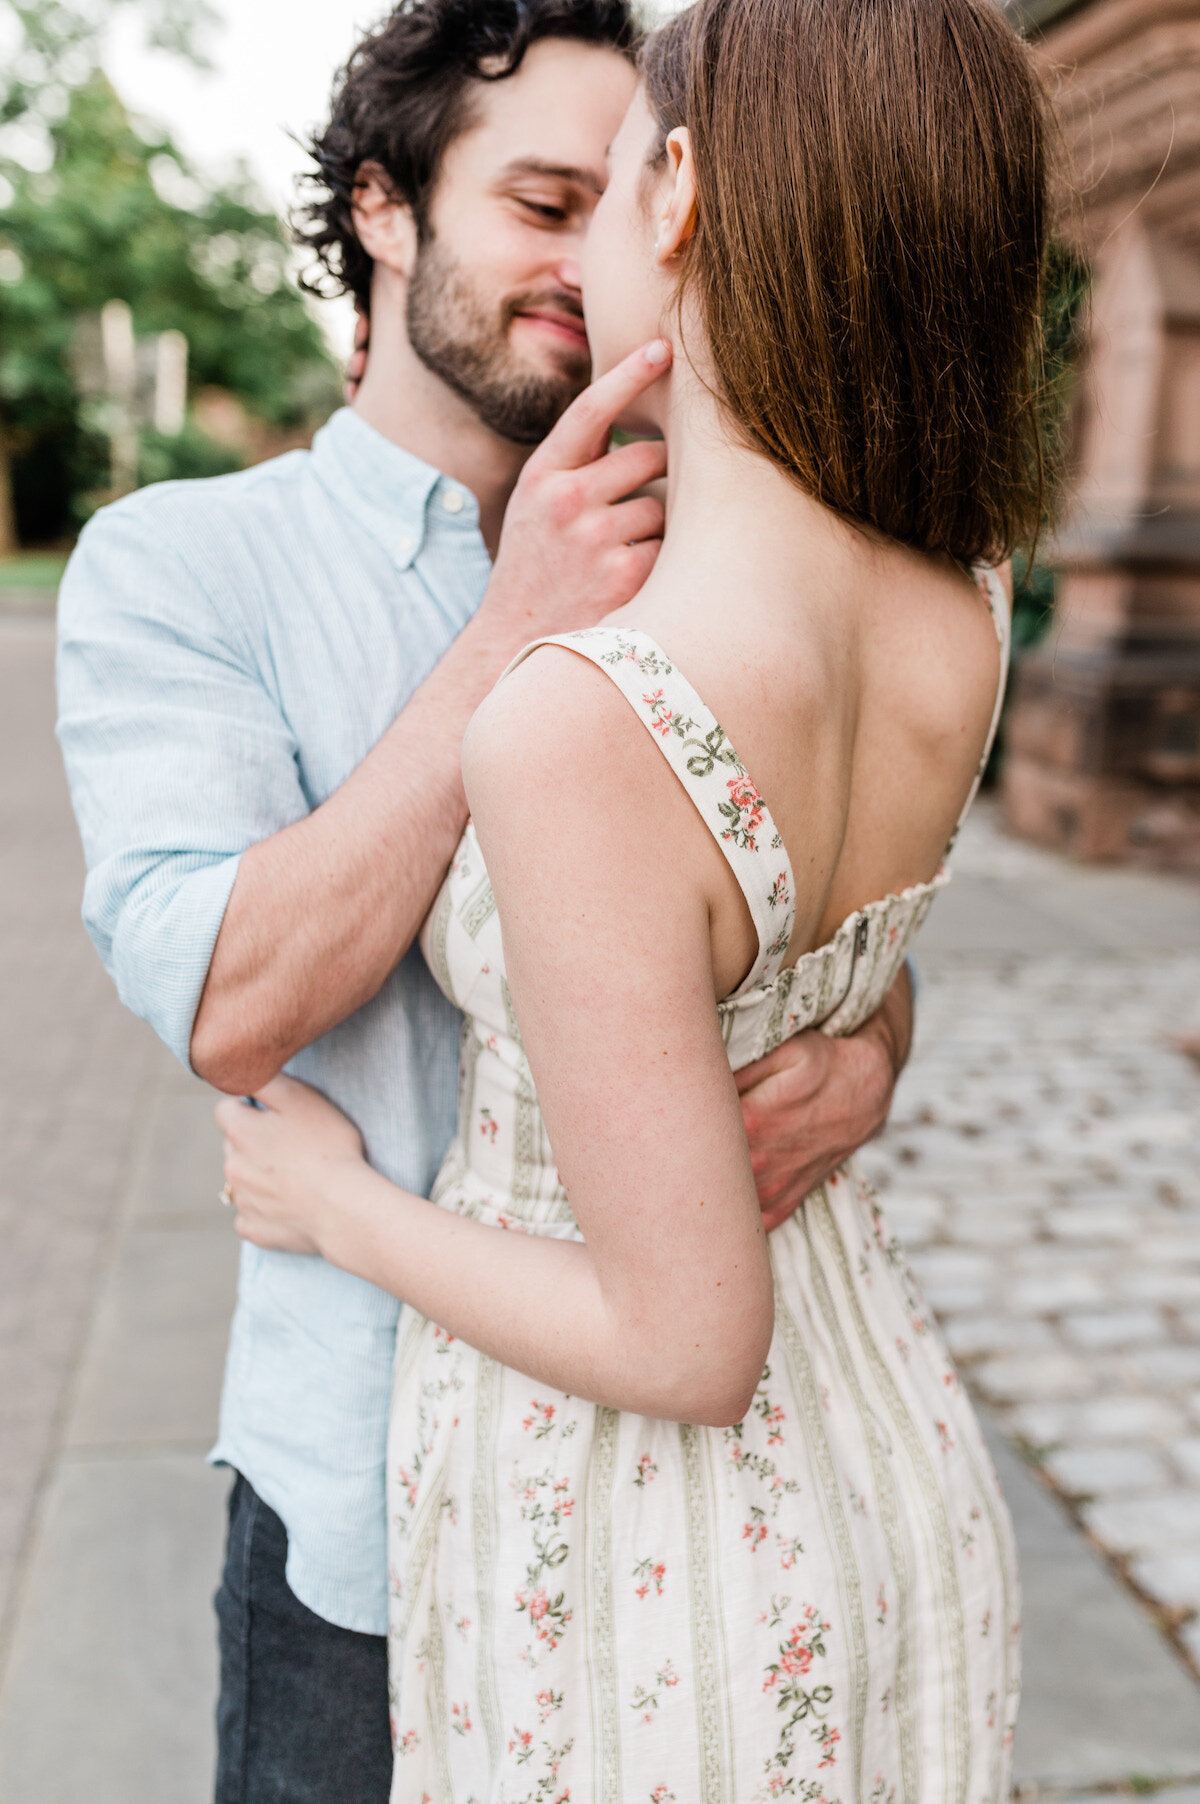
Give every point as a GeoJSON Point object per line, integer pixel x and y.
{"type": "Point", "coordinates": [405, 95]}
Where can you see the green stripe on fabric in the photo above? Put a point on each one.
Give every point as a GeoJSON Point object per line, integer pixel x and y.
{"type": "Point", "coordinates": [890, 1517]}
{"type": "Point", "coordinates": [483, 1532]}
{"type": "Point", "coordinates": [998, 1522]}
{"type": "Point", "coordinates": [710, 1702]}
{"type": "Point", "coordinates": [599, 1624]}
{"type": "Point", "coordinates": [436, 1696]}
{"type": "Point", "coordinates": [951, 1611]}
{"type": "Point", "coordinates": [479, 907]}
{"type": "Point", "coordinates": [845, 1566]}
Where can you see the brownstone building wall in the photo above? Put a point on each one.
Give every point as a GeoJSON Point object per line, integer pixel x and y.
{"type": "Point", "coordinates": [1103, 748]}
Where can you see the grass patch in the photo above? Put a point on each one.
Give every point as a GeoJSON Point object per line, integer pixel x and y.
{"type": "Point", "coordinates": [32, 570]}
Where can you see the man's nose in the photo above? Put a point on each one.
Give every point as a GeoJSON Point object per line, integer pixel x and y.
{"type": "Point", "coordinates": [569, 273]}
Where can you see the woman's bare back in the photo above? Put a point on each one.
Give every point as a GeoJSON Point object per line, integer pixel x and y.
{"type": "Point", "coordinates": [860, 698]}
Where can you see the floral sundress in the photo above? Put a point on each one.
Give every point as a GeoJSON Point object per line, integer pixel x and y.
{"type": "Point", "coordinates": [818, 1604]}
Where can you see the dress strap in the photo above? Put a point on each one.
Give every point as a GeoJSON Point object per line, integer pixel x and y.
{"type": "Point", "coordinates": [988, 582]}
{"type": "Point", "coordinates": [698, 751]}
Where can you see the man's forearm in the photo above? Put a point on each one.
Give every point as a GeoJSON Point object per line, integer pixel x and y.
{"type": "Point", "coordinates": [893, 1021]}
{"type": "Point", "coordinates": [322, 912]}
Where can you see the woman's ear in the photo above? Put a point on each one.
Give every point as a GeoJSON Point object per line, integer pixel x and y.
{"type": "Point", "coordinates": [384, 224]}
{"type": "Point", "coordinates": [678, 221]}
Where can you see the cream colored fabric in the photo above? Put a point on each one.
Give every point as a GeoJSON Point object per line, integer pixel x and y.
{"type": "Point", "coordinates": [819, 1604]}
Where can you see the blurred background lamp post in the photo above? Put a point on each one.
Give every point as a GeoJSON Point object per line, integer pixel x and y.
{"type": "Point", "coordinates": [129, 384]}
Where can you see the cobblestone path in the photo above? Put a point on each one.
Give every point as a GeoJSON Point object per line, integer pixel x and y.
{"type": "Point", "coordinates": [1043, 1170]}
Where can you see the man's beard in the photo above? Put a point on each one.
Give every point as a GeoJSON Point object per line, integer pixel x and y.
{"type": "Point", "coordinates": [456, 336]}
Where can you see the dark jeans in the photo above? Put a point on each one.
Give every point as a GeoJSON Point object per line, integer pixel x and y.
{"type": "Point", "coordinates": [303, 1712]}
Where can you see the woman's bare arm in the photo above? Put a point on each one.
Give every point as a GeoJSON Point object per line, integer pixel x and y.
{"type": "Point", "coordinates": [667, 1307]}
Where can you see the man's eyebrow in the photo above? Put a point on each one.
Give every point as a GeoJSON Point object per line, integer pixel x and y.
{"type": "Point", "coordinates": [562, 172]}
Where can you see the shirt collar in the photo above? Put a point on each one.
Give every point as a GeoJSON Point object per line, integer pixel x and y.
{"type": "Point", "coordinates": [386, 489]}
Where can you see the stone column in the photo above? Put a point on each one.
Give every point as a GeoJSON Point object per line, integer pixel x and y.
{"type": "Point", "coordinates": [1103, 746]}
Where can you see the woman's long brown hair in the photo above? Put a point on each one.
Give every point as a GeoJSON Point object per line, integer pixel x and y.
{"type": "Point", "coordinates": [869, 252]}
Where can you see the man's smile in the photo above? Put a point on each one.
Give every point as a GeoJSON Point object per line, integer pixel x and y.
{"type": "Point", "coordinates": [567, 328]}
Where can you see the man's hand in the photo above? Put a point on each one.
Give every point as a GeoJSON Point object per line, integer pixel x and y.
{"type": "Point", "coordinates": [573, 548]}
{"type": "Point", "coordinates": [356, 368]}
{"type": "Point", "coordinates": [815, 1100]}
{"type": "Point", "coordinates": [578, 538]}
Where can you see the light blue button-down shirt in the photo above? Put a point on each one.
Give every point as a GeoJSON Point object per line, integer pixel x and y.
{"type": "Point", "coordinates": [230, 650]}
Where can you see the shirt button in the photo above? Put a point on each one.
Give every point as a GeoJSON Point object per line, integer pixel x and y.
{"type": "Point", "coordinates": [404, 545]}
{"type": "Point", "coordinates": [453, 501]}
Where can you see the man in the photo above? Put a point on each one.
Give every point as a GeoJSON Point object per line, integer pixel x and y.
{"type": "Point", "coordinates": [264, 682]}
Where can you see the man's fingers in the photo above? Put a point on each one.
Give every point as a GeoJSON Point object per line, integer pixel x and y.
{"type": "Point", "coordinates": [637, 561]}
{"type": "Point", "coordinates": [794, 1052]}
{"type": "Point", "coordinates": [631, 521]}
{"type": "Point", "coordinates": [626, 470]}
{"type": "Point", "coordinates": [581, 435]}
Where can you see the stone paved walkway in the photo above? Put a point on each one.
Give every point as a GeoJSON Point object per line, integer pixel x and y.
{"type": "Point", "coordinates": [1043, 1169]}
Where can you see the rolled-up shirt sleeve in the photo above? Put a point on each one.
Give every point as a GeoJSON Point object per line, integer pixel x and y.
{"type": "Point", "coordinates": [178, 757]}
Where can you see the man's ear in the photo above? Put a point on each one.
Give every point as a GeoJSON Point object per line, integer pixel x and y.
{"type": "Point", "coordinates": [678, 221]}
{"type": "Point", "coordinates": [384, 223]}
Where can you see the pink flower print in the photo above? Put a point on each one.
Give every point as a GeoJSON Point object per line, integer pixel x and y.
{"type": "Point", "coordinates": [743, 811]}
{"type": "Point", "coordinates": [489, 1127]}
{"type": "Point", "coordinates": [548, 1701]}
{"type": "Point", "coordinates": [774, 1420]}
{"type": "Point", "coordinates": [522, 1745]}
{"type": "Point", "coordinates": [755, 1533]}
{"type": "Point", "coordinates": [663, 717]}
{"type": "Point", "coordinates": [660, 1795]}
{"type": "Point", "coordinates": [790, 1549]}
{"type": "Point", "coordinates": [778, 896]}
{"type": "Point", "coordinates": [408, 1483]}
{"type": "Point", "coordinates": [541, 1420]}
{"type": "Point", "coordinates": [944, 1437]}
{"type": "Point", "coordinates": [881, 1607]}
{"type": "Point", "coordinates": [463, 1625]}
{"type": "Point", "coordinates": [407, 1742]}
{"type": "Point", "coordinates": [650, 1573]}
{"type": "Point", "coordinates": [547, 1614]}
{"type": "Point", "coordinates": [828, 1739]}
{"type": "Point", "coordinates": [460, 1719]}
{"type": "Point", "coordinates": [646, 1473]}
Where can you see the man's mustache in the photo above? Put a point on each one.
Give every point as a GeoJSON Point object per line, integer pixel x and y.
{"type": "Point", "coordinates": [557, 300]}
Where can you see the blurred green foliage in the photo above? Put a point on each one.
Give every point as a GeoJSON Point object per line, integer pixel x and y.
{"type": "Point", "coordinates": [1067, 284]}
{"type": "Point", "coordinates": [108, 210]}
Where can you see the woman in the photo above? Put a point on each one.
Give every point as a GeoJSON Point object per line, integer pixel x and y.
{"type": "Point", "coordinates": [807, 1590]}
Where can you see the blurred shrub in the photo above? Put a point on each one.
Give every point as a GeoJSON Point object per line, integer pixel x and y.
{"type": "Point", "coordinates": [117, 213]}
{"type": "Point", "coordinates": [190, 453]}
